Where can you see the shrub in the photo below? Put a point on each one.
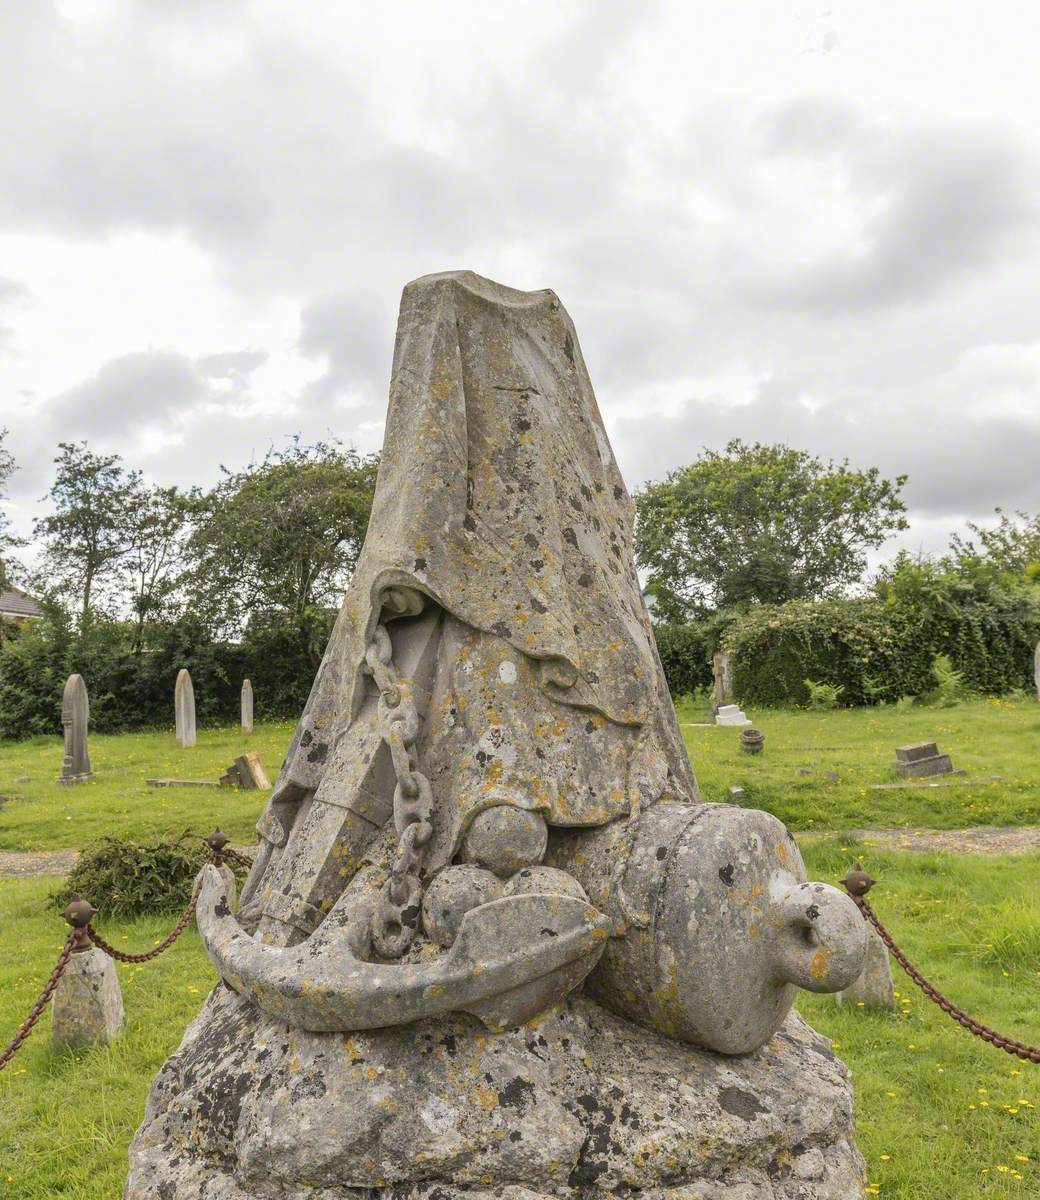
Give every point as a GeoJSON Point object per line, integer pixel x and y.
{"type": "Point", "coordinates": [823, 695]}
{"type": "Point", "coordinates": [123, 878]}
{"type": "Point", "coordinates": [685, 658]}
{"type": "Point", "coordinates": [949, 683]}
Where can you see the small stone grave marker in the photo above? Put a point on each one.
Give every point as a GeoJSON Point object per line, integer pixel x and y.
{"type": "Point", "coordinates": [730, 714]}
{"type": "Point", "coordinates": [247, 707]}
{"type": "Point", "coordinates": [873, 989]}
{"type": "Point", "coordinates": [921, 759]}
{"type": "Point", "coordinates": [184, 708]}
{"type": "Point", "coordinates": [246, 772]}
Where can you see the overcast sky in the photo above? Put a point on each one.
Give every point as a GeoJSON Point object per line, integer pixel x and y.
{"type": "Point", "coordinates": [815, 223]}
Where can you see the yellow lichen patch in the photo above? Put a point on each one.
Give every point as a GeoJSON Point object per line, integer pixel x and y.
{"type": "Point", "coordinates": [781, 852]}
{"type": "Point", "coordinates": [818, 964]}
{"type": "Point", "coordinates": [485, 1097]}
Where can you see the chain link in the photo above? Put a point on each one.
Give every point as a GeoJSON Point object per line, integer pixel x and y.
{"type": "Point", "coordinates": [42, 1001]}
{"type": "Point", "coordinates": [396, 914]}
{"type": "Point", "coordinates": [1008, 1045]}
{"type": "Point", "coordinates": [76, 941]}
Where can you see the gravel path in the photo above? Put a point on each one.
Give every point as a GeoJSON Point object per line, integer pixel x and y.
{"type": "Point", "coordinates": [18, 864]}
{"type": "Point", "coordinates": [986, 839]}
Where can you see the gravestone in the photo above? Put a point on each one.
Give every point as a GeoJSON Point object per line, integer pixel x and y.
{"type": "Point", "coordinates": [1036, 669]}
{"type": "Point", "coordinates": [75, 718]}
{"type": "Point", "coordinates": [921, 759]}
{"type": "Point", "coordinates": [722, 680]}
{"type": "Point", "coordinates": [247, 707]}
{"type": "Point", "coordinates": [184, 708]}
{"type": "Point", "coordinates": [493, 944]}
{"type": "Point", "coordinates": [873, 989]}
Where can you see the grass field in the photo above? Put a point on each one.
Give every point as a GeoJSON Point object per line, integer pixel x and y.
{"type": "Point", "coordinates": [940, 1114]}
{"type": "Point", "coordinates": [984, 737]}
{"type": "Point", "coordinates": [38, 813]}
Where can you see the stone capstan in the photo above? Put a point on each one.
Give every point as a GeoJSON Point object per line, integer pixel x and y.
{"type": "Point", "coordinates": [486, 806]}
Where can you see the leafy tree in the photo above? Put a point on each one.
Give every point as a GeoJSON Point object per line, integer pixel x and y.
{"type": "Point", "coordinates": [760, 523]}
{"type": "Point", "coordinates": [8, 541]}
{"type": "Point", "coordinates": [1011, 547]}
{"type": "Point", "coordinates": [155, 557]}
{"type": "Point", "coordinates": [282, 536]}
{"type": "Point", "coordinates": [88, 536]}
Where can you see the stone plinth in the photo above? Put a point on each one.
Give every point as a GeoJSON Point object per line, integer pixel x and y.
{"type": "Point", "coordinates": [921, 759]}
{"type": "Point", "coordinates": [874, 988]}
{"type": "Point", "coordinates": [731, 714]}
{"type": "Point", "coordinates": [579, 1104]}
{"type": "Point", "coordinates": [87, 1005]}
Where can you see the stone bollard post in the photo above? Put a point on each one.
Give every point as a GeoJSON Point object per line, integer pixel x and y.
{"type": "Point", "coordinates": [216, 842]}
{"type": "Point", "coordinates": [874, 987]}
{"type": "Point", "coordinates": [87, 1005]}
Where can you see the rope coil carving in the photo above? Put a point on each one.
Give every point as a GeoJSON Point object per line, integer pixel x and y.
{"type": "Point", "coordinates": [857, 883]}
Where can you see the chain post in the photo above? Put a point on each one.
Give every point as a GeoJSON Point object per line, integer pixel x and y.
{"type": "Point", "coordinates": [857, 883]}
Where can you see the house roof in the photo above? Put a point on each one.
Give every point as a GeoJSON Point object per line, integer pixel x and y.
{"type": "Point", "coordinates": [15, 603]}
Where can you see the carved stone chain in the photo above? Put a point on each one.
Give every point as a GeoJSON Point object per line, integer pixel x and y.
{"type": "Point", "coordinates": [396, 915]}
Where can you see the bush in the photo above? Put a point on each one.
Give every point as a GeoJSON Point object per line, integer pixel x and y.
{"type": "Point", "coordinates": [949, 683]}
{"type": "Point", "coordinates": [823, 696]}
{"type": "Point", "coordinates": [122, 878]}
{"type": "Point", "coordinates": [925, 633]}
{"type": "Point", "coordinates": [685, 658]}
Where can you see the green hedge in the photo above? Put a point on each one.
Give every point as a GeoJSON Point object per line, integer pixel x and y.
{"type": "Point", "coordinates": [135, 690]}
{"type": "Point", "coordinates": [876, 648]}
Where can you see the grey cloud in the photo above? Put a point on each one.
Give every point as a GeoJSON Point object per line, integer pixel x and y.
{"type": "Point", "coordinates": [948, 201]}
{"type": "Point", "coordinates": [234, 366]}
{"type": "Point", "coordinates": [351, 332]}
{"type": "Point", "coordinates": [146, 388]}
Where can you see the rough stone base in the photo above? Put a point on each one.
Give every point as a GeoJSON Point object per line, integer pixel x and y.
{"type": "Point", "coordinates": [87, 1005]}
{"type": "Point", "coordinates": [579, 1104]}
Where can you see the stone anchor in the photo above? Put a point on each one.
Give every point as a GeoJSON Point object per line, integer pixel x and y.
{"type": "Point", "coordinates": [487, 804]}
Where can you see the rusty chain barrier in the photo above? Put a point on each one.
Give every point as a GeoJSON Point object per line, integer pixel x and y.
{"type": "Point", "coordinates": [857, 883]}
{"type": "Point", "coordinates": [83, 935]}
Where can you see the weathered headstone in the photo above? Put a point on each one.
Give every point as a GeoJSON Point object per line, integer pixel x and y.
{"type": "Point", "coordinates": [1036, 669]}
{"type": "Point", "coordinates": [88, 1005]}
{"type": "Point", "coordinates": [921, 759]}
{"type": "Point", "coordinates": [873, 989]}
{"type": "Point", "coordinates": [722, 680]}
{"type": "Point", "coordinates": [184, 708]}
{"type": "Point", "coordinates": [75, 718]}
{"type": "Point", "coordinates": [491, 693]}
{"type": "Point", "coordinates": [247, 771]}
{"type": "Point", "coordinates": [247, 707]}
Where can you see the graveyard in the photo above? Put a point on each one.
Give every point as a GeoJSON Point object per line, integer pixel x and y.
{"type": "Point", "coordinates": [971, 921]}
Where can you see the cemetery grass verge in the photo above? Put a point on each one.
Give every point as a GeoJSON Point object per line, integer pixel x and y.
{"type": "Point", "coordinates": [791, 778]}
{"type": "Point", "coordinates": [939, 1113]}
{"type": "Point", "coordinates": [985, 737]}
{"type": "Point", "coordinates": [38, 813]}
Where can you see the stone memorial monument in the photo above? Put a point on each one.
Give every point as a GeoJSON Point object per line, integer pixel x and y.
{"type": "Point", "coordinates": [247, 707]}
{"type": "Point", "coordinates": [184, 708]}
{"type": "Point", "coordinates": [494, 945]}
{"type": "Point", "coordinates": [1036, 669]}
{"type": "Point", "coordinates": [75, 717]}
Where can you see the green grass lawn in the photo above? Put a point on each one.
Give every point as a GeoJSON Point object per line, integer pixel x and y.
{"type": "Point", "coordinates": [985, 737]}
{"type": "Point", "coordinates": [939, 1112]}
{"type": "Point", "coordinates": [40, 814]}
